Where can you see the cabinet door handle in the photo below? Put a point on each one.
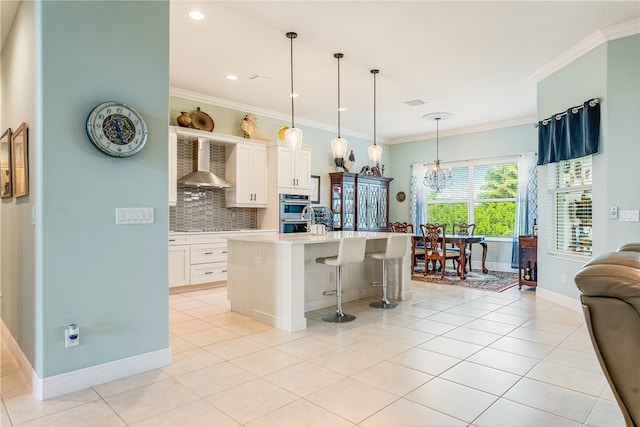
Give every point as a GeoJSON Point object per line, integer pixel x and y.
{"type": "Point", "coordinates": [224, 252]}
{"type": "Point", "coordinates": [172, 240]}
{"type": "Point", "coordinates": [208, 272]}
{"type": "Point", "coordinates": [224, 271]}
{"type": "Point", "coordinates": [208, 253]}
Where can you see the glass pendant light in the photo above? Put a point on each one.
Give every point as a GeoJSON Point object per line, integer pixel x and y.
{"type": "Point", "coordinates": [293, 135]}
{"type": "Point", "coordinates": [374, 151]}
{"type": "Point", "coordinates": [339, 144]}
{"type": "Point", "coordinates": [437, 179]}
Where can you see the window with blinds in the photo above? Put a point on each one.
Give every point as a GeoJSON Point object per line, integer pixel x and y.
{"type": "Point", "coordinates": [481, 194]}
{"type": "Point", "coordinates": [570, 185]}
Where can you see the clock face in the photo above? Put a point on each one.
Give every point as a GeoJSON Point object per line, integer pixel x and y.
{"type": "Point", "coordinates": [116, 129]}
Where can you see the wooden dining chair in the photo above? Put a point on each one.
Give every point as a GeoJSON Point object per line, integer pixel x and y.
{"type": "Point", "coordinates": [464, 229]}
{"type": "Point", "coordinates": [401, 227]}
{"type": "Point", "coordinates": [417, 250]}
{"type": "Point", "coordinates": [434, 238]}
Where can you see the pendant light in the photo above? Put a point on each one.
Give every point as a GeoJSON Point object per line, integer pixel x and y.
{"type": "Point", "coordinates": [293, 135]}
{"type": "Point", "coordinates": [374, 151]}
{"type": "Point", "coordinates": [437, 179]}
{"type": "Point", "coordinates": [339, 144]}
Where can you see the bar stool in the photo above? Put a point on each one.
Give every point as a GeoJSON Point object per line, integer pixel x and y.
{"type": "Point", "coordinates": [350, 251]}
{"type": "Point", "coordinates": [396, 248]}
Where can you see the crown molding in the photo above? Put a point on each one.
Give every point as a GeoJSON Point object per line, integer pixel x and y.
{"type": "Point", "coordinates": [585, 46]}
{"type": "Point", "coordinates": [471, 129]}
{"type": "Point", "coordinates": [207, 99]}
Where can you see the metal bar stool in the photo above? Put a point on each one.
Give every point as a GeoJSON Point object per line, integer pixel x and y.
{"type": "Point", "coordinates": [350, 251]}
{"type": "Point", "coordinates": [396, 248]}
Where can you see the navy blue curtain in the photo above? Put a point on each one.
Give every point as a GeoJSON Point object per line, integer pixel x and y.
{"type": "Point", "coordinates": [569, 135]}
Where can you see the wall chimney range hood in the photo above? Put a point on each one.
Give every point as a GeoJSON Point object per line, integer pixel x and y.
{"type": "Point", "coordinates": [202, 177]}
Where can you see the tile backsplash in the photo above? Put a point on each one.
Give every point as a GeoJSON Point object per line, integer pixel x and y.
{"type": "Point", "coordinates": [199, 208]}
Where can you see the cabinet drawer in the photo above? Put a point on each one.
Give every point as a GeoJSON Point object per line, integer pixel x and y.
{"type": "Point", "coordinates": [178, 240]}
{"type": "Point", "coordinates": [211, 272]}
{"type": "Point", "coordinates": [214, 252]}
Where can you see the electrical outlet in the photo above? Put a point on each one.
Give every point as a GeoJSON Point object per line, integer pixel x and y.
{"type": "Point", "coordinates": [71, 336]}
{"type": "Point", "coordinates": [332, 277]}
{"type": "Point", "coordinates": [613, 212]}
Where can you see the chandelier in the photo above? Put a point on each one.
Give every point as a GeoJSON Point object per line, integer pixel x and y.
{"type": "Point", "coordinates": [436, 178]}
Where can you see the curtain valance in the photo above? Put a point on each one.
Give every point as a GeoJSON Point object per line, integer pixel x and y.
{"type": "Point", "coordinates": [569, 135]}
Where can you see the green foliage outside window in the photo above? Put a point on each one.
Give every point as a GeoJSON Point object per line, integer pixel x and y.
{"type": "Point", "coordinates": [447, 213]}
{"type": "Point", "coordinates": [495, 218]}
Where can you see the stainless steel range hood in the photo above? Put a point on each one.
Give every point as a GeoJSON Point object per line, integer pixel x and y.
{"type": "Point", "coordinates": [202, 177]}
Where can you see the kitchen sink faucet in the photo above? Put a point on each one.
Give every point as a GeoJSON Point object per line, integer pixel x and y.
{"type": "Point", "coordinates": [313, 213]}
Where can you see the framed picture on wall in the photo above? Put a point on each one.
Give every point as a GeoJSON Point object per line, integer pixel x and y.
{"type": "Point", "coordinates": [315, 189]}
{"type": "Point", "coordinates": [6, 187]}
{"type": "Point", "coordinates": [20, 160]}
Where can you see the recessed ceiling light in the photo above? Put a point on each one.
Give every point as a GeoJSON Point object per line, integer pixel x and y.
{"type": "Point", "coordinates": [415, 102]}
{"type": "Point", "coordinates": [232, 77]}
{"type": "Point", "coordinates": [196, 14]}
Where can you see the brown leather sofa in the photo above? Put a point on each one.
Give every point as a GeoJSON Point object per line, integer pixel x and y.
{"type": "Point", "coordinates": [610, 287]}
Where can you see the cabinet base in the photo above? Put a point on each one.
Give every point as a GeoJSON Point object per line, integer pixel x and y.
{"type": "Point", "coordinates": [191, 288]}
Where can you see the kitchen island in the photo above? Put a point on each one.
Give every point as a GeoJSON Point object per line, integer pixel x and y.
{"type": "Point", "coordinates": [275, 279]}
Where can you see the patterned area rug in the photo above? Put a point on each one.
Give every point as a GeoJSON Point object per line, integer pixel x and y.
{"type": "Point", "coordinates": [496, 281]}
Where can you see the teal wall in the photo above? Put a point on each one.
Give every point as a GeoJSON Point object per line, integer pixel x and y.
{"type": "Point", "coordinates": [20, 295]}
{"type": "Point", "coordinates": [110, 280]}
{"type": "Point", "coordinates": [611, 73]}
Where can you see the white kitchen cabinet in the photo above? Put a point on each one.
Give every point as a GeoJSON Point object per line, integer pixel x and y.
{"type": "Point", "coordinates": [294, 170]}
{"type": "Point", "coordinates": [198, 258]}
{"type": "Point", "coordinates": [209, 262]}
{"type": "Point", "coordinates": [173, 166]}
{"type": "Point", "coordinates": [247, 171]}
{"type": "Point", "coordinates": [179, 265]}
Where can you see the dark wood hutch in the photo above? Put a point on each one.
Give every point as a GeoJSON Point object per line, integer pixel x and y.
{"type": "Point", "coordinates": [359, 201]}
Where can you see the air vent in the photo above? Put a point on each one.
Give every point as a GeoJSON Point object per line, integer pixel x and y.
{"type": "Point", "coordinates": [415, 102]}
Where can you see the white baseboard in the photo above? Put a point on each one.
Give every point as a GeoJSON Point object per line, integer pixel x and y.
{"type": "Point", "coordinates": [559, 299]}
{"type": "Point", "coordinates": [68, 382]}
{"type": "Point", "coordinates": [23, 362]}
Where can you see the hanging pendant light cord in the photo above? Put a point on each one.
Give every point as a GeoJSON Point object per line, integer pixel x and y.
{"type": "Point", "coordinates": [375, 72]}
{"type": "Point", "coordinates": [292, 36]}
{"type": "Point", "coordinates": [338, 56]}
{"type": "Point", "coordinates": [437, 139]}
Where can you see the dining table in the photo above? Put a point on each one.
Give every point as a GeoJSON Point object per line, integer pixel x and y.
{"type": "Point", "coordinates": [461, 241]}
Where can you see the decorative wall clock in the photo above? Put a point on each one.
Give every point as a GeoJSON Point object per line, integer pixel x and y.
{"type": "Point", "coordinates": [116, 129]}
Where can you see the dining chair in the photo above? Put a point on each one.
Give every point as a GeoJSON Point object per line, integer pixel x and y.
{"type": "Point", "coordinates": [401, 227]}
{"type": "Point", "coordinates": [417, 250]}
{"type": "Point", "coordinates": [434, 238]}
{"type": "Point", "coordinates": [464, 229]}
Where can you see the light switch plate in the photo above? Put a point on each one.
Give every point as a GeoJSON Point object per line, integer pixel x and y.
{"type": "Point", "coordinates": [134, 216]}
{"type": "Point", "coordinates": [630, 215]}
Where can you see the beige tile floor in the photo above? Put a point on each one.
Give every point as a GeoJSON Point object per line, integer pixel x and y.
{"type": "Point", "coordinates": [450, 357]}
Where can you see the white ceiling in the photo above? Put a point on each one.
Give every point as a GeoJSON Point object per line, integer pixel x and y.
{"type": "Point", "coordinates": [474, 59]}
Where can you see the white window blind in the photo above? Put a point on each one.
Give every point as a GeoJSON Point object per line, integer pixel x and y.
{"type": "Point", "coordinates": [483, 194]}
{"type": "Point", "coordinates": [570, 187]}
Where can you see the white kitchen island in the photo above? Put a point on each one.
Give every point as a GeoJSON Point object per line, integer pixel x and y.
{"type": "Point", "coordinates": [275, 279]}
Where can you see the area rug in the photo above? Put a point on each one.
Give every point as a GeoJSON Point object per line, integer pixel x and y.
{"type": "Point", "coordinates": [497, 281]}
